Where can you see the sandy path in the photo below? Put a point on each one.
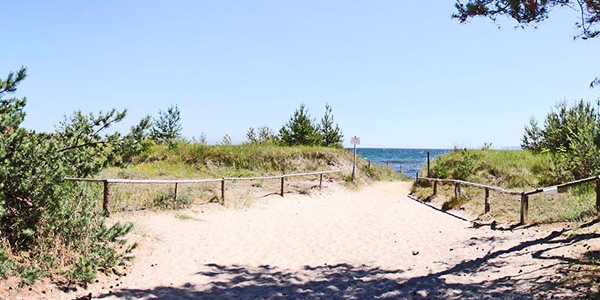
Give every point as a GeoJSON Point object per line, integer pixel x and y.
{"type": "Point", "coordinates": [371, 244]}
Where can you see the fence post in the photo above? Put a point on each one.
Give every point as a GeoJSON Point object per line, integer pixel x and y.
{"type": "Point", "coordinates": [175, 196]}
{"type": "Point", "coordinates": [223, 191]}
{"type": "Point", "coordinates": [457, 191]}
{"type": "Point", "coordinates": [369, 163]}
{"type": "Point", "coordinates": [107, 196]}
{"type": "Point", "coordinates": [435, 188]}
{"type": "Point", "coordinates": [428, 174]}
{"type": "Point", "coordinates": [524, 208]}
{"type": "Point", "coordinates": [597, 194]}
{"type": "Point", "coordinates": [487, 201]}
{"type": "Point", "coordinates": [417, 178]}
{"type": "Point", "coordinates": [321, 180]}
{"type": "Point", "coordinates": [282, 183]}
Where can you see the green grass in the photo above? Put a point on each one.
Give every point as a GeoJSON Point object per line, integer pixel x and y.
{"type": "Point", "coordinates": [515, 170]}
{"type": "Point", "coordinates": [196, 161]}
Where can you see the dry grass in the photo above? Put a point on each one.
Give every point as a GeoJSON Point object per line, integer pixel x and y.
{"type": "Point", "coordinates": [543, 209]}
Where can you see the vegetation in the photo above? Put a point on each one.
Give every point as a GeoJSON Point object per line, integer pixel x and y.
{"type": "Point", "coordinates": [533, 12]}
{"type": "Point", "coordinates": [49, 226]}
{"type": "Point", "coordinates": [167, 127]}
{"type": "Point", "coordinates": [263, 134]}
{"type": "Point", "coordinates": [301, 130]}
{"type": "Point", "coordinates": [330, 132]}
{"type": "Point", "coordinates": [572, 135]}
{"type": "Point", "coordinates": [528, 12]}
{"type": "Point", "coordinates": [245, 160]}
{"type": "Point", "coordinates": [229, 160]}
{"type": "Point", "coordinates": [54, 228]}
{"type": "Point", "coordinates": [516, 170]}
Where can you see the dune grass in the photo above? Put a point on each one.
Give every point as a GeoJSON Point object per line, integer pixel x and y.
{"type": "Point", "coordinates": [516, 170]}
{"type": "Point", "coordinates": [197, 161]}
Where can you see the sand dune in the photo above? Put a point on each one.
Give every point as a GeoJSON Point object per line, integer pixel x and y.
{"type": "Point", "coordinates": [371, 244]}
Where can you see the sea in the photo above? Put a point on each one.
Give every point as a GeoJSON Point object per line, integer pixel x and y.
{"type": "Point", "coordinates": [406, 161]}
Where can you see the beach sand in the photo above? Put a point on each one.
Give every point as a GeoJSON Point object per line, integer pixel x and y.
{"type": "Point", "coordinates": [374, 243]}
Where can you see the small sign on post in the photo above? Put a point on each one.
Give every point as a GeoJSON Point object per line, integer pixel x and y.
{"type": "Point", "coordinates": [355, 141]}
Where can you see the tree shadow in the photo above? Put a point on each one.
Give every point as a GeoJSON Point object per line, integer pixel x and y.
{"type": "Point", "coordinates": [347, 281]}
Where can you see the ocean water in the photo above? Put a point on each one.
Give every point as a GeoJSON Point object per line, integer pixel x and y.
{"type": "Point", "coordinates": [407, 161]}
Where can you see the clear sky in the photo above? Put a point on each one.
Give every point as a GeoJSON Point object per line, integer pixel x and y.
{"type": "Point", "coordinates": [396, 73]}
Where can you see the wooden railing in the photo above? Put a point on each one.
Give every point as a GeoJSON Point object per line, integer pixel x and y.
{"type": "Point", "coordinates": [109, 181]}
{"type": "Point", "coordinates": [524, 194]}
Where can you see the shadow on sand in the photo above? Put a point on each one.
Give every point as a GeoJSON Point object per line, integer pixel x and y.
{"type": "Point", "coordinates": [345, 281]}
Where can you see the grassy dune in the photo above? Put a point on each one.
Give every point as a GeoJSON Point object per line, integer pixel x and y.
{"type": "Point", "coordinates": [194, 161]}
{"type": "Point", "coordinates": [516, 170]}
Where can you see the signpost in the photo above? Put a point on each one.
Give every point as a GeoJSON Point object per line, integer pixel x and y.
{"type": "Point", "coordinates": [355, 141]}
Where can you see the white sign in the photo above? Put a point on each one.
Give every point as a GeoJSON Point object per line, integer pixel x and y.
{"type": "Point", "coordinates": [551, 190]}
{"type": "Point", "coordinates": [355, 140]}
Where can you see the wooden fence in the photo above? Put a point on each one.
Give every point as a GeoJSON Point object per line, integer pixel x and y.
{"type": "Point", "coordinates": [524, 194]}
{"type": "Point", "coordinates": [108, 182]}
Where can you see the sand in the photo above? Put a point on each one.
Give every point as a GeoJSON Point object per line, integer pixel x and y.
{"type": "Point", "coordinates": [374, 243]}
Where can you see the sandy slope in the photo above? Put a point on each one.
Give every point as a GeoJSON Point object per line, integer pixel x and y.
{"type": "Point", "coordinates": [371, 244]}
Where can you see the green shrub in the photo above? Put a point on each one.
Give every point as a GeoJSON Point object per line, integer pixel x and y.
{"type": "Point", "coordinates": [6, 265]}
{"type": "Point", "coordinates": [460, 164]}
{"type": "Point", "coordinates": [41, 214]}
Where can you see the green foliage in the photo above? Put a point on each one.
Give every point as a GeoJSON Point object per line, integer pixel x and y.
{"type": "Point", "coordinates": [40, 211]}
{"type": "Point", "coordinates": [527, 12]}
{"type": "Point", "coordinates": [509, 169]}
{"type": "Point", "coordinates": [226, 140]}
{"type": "Point", "coordinates": [532, 138]}
{"type": "Point", "coordinates": [263, 134]}
{"type": "Point", "coordinates": [30, 275]}
{"type": "Point", "coordinates": [6, 264]}
{"type": "Point", "coordinates": [330, 132]}
{"type": "Point", "coordinates": [461, 165]}
{"type": "Point", "coordinates": [380, 173]}
{"type": "Point", "coordinates": [84, 270]}
{"type": "Point", "coordinates": [300, 130]}
{"type": "Point", "coordinates": [166, 200]}
{"type": "Point", "coordinates": [532, 12]}
{"type": "Point", "coordinates": [572, 135]}
{"type": "Point", "coordinates": [227, 160]}
{"type": "Point", "coordinates": [516, 170]}
{"type": "Point", "coordinates": [167, 127]}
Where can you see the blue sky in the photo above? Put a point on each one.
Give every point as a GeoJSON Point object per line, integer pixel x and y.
{"type": "Point", "coordinates": [396, 73]}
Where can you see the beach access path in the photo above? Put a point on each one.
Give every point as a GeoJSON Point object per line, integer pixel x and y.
{"type": "Point", "coordinates": [374, 243]}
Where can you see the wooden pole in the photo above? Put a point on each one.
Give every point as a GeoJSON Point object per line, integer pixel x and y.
{"type": "Point", "coordinates": [353, 169]}
{"type": "Point", "coordinates": [107, 196]}
{"type": "Point", "coordinates": [598, 194]}
{"type": "Point", "coordinates": [428, 174]}
{"type": "Point", "coordinates": [457, 191]}
{"type": "Point", "coordinates": [524, 208]}
{"type": "Point", "coordinates": [175, 196]}
{"type": "Point", "coordinates": [487, 201]}
{"type": "Point", "coordinates": [282, 183]}
{"type": "Point", "coordinates": [417, 178]}
{"type": "Point", "coordinates": [369, 163]}
{"type": "Point", "coordinates": [321, 181]}
{"type": "Point", "coordinates": [435, 188]}
{"type": "Point", "coordinates": [222, 191]}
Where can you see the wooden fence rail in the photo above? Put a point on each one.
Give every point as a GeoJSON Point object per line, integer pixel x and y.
{"type": "Point", "coordinates": [524, 194]}
{"type": "Point", "coordinates": [109, 181]}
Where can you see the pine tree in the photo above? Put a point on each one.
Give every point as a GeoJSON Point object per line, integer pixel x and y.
{"type": "Point", "coordinates": [300, 130]}
{"type": "Point", "coordinates": [167, 128]}
{"type": "Point", "coordinates": [532, 138]}
{"type": "Point", "coordinates": [226, 140]}
{"type": "Point", "coordinates": [330, 132]}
